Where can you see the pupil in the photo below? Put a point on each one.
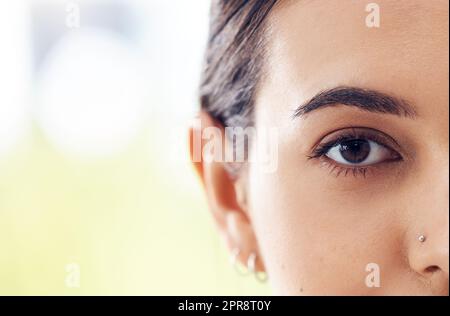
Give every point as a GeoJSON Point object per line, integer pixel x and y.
{"type": "Point", "coordinates": [355, 151]}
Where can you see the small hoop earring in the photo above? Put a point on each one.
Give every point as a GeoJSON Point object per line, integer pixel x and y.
{"type": "Point", "coordinates": [235, 263]}
{"type": "Point", "coordinates": [251, 266]}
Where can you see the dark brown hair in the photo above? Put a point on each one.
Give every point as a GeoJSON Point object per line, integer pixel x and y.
{"type": "Point", "coordinates": [233, 59]}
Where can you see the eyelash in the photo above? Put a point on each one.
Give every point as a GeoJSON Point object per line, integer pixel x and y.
{"type": "Point", "coordinates": [320, 151]}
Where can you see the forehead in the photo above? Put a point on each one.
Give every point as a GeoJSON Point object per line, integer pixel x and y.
{"type": "Point", "coordinates": [319, 44]}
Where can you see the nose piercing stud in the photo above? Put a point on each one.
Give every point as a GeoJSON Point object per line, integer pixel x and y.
{"type": "Point", "coordinates": [422, 238]}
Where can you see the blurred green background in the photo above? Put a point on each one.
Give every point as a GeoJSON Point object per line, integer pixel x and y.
{"type": "Point", "coordinates": [97, 196]}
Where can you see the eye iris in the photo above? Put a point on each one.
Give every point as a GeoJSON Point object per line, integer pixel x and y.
{"type": "Point", "coordinates": [355, 151]}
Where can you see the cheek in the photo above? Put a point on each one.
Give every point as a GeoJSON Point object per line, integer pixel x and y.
{"type": "Point", "coordinates": [316, 239]}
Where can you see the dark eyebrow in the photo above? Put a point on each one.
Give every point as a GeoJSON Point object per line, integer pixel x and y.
{"type": "Point", "coordinates": [367, 100]}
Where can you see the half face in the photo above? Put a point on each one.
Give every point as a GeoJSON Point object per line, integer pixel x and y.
{"type": "Point", "coordinates": [363, 167]}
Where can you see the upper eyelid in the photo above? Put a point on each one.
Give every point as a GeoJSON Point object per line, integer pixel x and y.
{"type": "Point", "coordinates": [364, 129]}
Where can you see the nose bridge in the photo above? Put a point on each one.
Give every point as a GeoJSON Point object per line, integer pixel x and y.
{"type": "Point", "coordinates": [430, 198]}
{"type": "Point", "coordinates": [436, 190]}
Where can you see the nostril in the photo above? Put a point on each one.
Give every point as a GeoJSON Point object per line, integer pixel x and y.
{"type": "Point", "coordinates": [432, 269]}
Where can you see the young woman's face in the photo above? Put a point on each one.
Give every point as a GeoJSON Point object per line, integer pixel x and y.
{"type": "Point", "coordinates": [361, 173]}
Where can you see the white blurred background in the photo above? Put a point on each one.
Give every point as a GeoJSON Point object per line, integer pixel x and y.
{"type": "Point", "coordinates": [95, 100]}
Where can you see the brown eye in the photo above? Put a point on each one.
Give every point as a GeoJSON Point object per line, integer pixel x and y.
{"type": "Point", "coordinates": [357, 152]}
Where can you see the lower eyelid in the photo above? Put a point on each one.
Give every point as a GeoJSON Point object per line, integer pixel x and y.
{"type": "Point", "coordinates": [337, 169]}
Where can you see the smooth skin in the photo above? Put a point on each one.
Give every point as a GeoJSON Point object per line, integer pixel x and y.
{"type": "Point", "coordinates": [315, 223]}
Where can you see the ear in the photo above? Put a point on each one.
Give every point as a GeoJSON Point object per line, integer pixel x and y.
{"type": "Point", "coordinates": [226, 195]}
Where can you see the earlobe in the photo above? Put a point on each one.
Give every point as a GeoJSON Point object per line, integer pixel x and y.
{"type": "Point", "coordinates": [226, 198]}
{"type": "Point", "coordinates": [241, 237]}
